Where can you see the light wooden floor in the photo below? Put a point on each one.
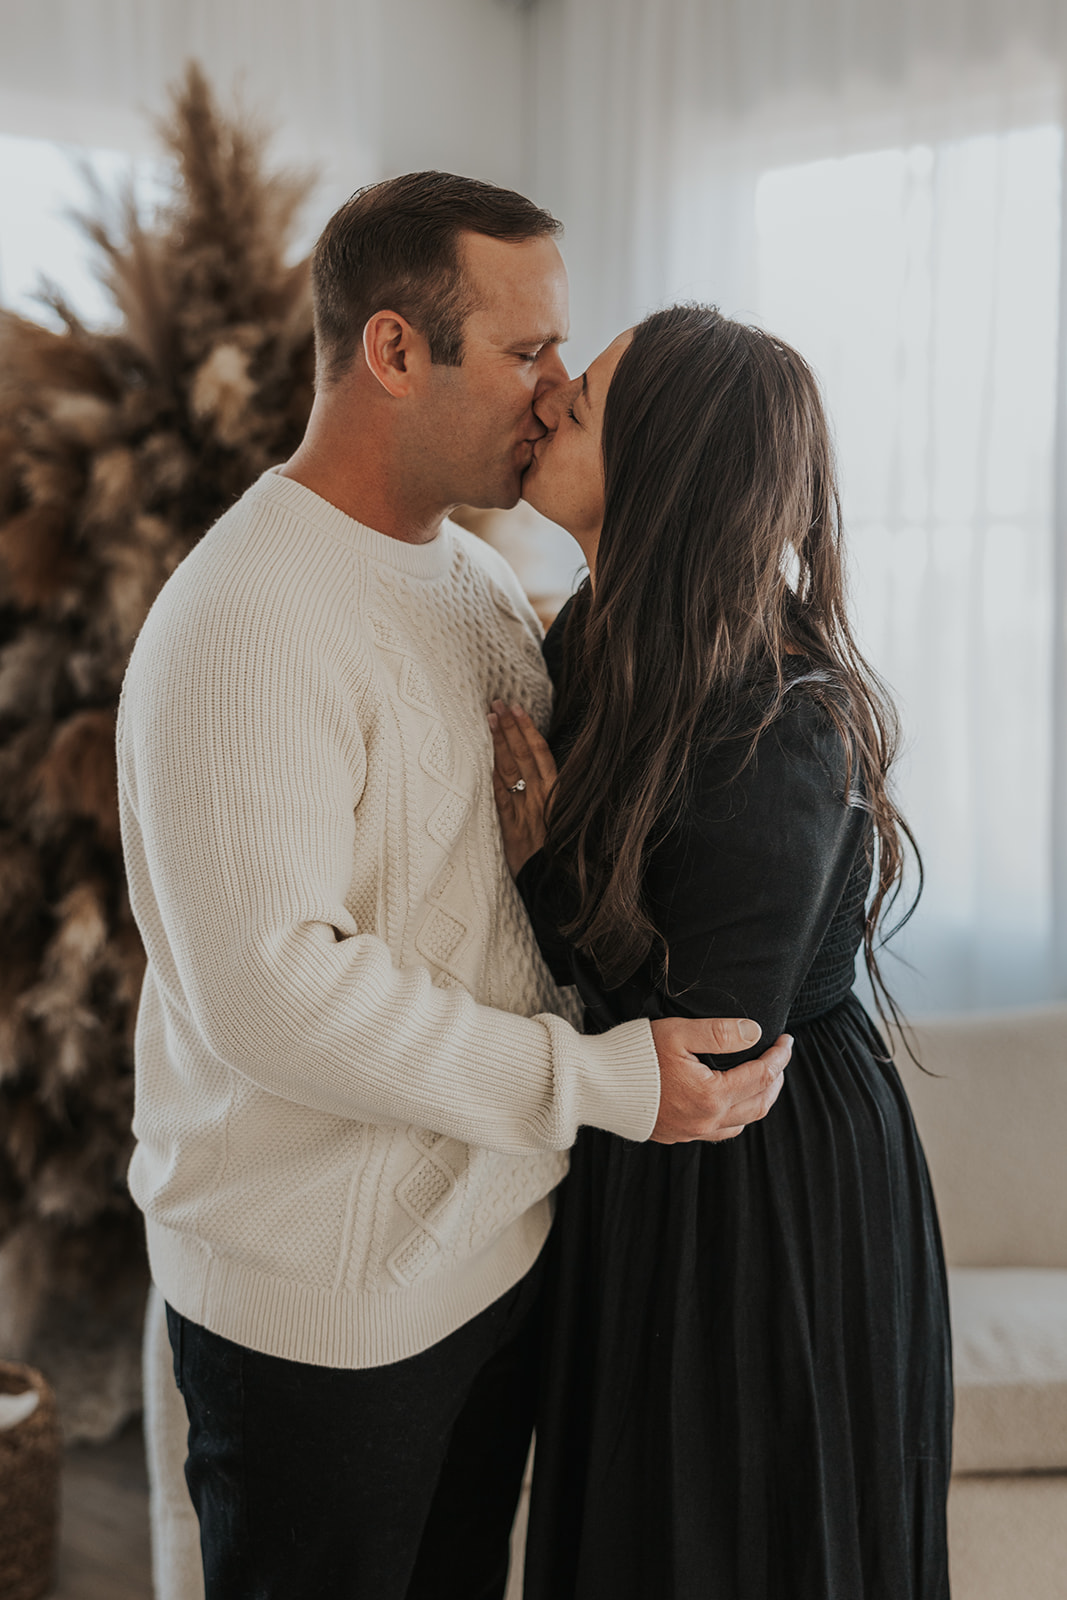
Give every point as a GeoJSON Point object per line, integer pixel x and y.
{"type": "Point", "coordinates": [104, 1551]}
{"type": "Point", "coordinates": [103, 1542]}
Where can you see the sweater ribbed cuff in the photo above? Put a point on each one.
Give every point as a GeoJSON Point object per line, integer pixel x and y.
{"type": "Point", "coordinates": [619, 1086]}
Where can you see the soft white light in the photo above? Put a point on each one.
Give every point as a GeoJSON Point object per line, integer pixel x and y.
{"type": "Point", "coordinates": [922, 285]}
{"type": "Point", "coordinates": [40, 182]}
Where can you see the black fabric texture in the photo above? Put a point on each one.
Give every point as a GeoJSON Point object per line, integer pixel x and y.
{"type": "Point", "coordinates": [747, 1382]}
{"type": "Point", "coordinates": [383, 1483]}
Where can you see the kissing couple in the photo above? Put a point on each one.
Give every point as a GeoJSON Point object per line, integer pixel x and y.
{"type": "Point", "coordinates": [432, 913]}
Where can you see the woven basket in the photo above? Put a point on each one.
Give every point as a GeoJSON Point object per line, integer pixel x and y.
{"type": "Point", "coordinates": [29, 1489]}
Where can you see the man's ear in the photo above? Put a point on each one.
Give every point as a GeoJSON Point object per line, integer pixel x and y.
{"type": "Point", "coordinates": [393, 351]}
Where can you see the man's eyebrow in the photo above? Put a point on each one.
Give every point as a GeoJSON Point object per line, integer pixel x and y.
{"type": "Point", "coordinates": [539, 341]}
{"type": "Point", "coordinates": [585, 388]}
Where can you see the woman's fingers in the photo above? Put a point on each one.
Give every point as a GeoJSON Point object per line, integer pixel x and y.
{"type": "Point", "coordinates": [523, 772]}
{"type": "Point", "coordinates": [536, 745]}
{"type": "Point", "coordinates": [504, 763]}
{"type": "Point", "coordinates": [511, 759]}
{"type": "Point", "coordinates": [521, 813]}
{"type": "Point", "coordinates": [515, 740]}
{"type": "Point", "coordinates": [521, 747]}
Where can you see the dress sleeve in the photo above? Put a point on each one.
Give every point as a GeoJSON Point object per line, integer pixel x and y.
{"type": "Point", "coordinates": [746, 884]}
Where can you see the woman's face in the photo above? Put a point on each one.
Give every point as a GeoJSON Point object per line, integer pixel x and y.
{"type": "Point", "coordinates": [565, 480]}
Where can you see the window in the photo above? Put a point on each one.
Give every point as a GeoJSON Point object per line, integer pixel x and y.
{"type": "Point", "coordinates": [922, 284]}
{"type": "Point", "coordinates": [40, 182]}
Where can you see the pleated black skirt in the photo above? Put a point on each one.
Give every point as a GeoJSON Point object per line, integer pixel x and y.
{"type": "Point", "coordinates": [747, 1391]}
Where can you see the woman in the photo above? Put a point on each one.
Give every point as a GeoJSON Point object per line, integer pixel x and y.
{"type": "Point", "coordinates": [747, 1391]}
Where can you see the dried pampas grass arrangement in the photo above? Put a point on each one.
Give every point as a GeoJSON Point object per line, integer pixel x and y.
{"type": "Point", "coordinates": [118, 449]}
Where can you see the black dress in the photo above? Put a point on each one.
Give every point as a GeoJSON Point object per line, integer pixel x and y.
{"type": "Point", "coordinates": [747, 1391]}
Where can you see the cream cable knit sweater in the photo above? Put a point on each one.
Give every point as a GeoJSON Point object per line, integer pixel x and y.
{"type": "Point", "coordinates": [354, 1085]}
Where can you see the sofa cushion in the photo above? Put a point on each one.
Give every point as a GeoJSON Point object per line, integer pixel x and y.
{"type": "Point", "coordinates": [991, 1110]}
{"type": "Point", "coordinates": [1009, 1335]}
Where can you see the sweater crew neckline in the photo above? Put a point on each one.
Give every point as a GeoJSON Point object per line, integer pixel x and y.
{"type": "Point", "coordinates": [430, 560]}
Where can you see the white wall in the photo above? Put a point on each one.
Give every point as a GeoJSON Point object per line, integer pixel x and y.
{"type": "Point", "coordinates": [362, 88]}
{"type": "Point", "coordinates": [456, 92]}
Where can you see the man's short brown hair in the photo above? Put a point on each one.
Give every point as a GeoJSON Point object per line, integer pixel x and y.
{"type": "Point", "coordinates": [394, 246]}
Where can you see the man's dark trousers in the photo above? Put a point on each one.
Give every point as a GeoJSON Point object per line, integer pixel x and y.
{"type": "Point", "coordinates": [386, 1483]}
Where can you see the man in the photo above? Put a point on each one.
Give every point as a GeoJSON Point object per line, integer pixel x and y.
{"type": "Point", "coordinates": [355, 1086]}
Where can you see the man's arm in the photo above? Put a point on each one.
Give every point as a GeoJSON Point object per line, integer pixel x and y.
{"type": "Point", "coordinates": [240, 768]}
{"type": "Point", "coordinates": [241, 763]}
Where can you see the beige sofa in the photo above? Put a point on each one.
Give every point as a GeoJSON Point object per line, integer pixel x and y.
{"type": "Point", "coordinates": [994, 1123]}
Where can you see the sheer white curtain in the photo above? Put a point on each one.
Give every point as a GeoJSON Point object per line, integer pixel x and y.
{"type": "Point", "coordinates": [358, 88]}
{"type": "Point", "coordinates": [932, 317]}
{"type": "Point", "coordinates": [88, 71]}
{"type": "Point", "coordinates": [880, 184]}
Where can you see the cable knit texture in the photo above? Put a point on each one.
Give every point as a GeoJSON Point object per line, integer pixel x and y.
{"type": "Point", "coordinates": [355, 1083]}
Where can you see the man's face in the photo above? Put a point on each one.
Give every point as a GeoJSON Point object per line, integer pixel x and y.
{"type": "Point", "coordinates": [481, 413]}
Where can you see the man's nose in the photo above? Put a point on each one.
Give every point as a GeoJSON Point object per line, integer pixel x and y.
{"type": "Point", "coordinates": [549, 403]}
{"type": "Point", "coordinates": [553, 374]}
{"type": "Point", "coordinates": [546, 409]}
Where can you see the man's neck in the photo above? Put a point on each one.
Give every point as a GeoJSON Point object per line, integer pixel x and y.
{"type": "Point", "coordinates": [365, 495]}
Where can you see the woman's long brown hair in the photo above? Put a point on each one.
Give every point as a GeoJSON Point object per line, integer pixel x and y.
{"type": "Point", "coordinates": [720, 554]}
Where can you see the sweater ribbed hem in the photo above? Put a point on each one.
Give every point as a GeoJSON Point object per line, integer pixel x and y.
{"type": "Point", "coordinates": [360, 1329]}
